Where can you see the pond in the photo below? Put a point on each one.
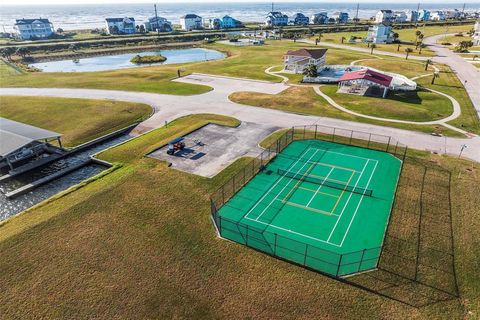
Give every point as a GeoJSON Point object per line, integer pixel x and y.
{"type": "Point", "coordinates": [120, 61]}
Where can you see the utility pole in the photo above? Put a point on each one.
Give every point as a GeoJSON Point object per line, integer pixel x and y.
{"type": "Point", "coordinates": [156, 20]}
{"type": "Point", "coordinates": [356, 14]}
{"type": "Point", "coordinates": [463, 9]}
{"type": "Point", "coordinates": [272, 6]}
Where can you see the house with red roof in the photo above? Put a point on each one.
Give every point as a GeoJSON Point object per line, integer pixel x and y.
{"type": "Point", "coordinates": [297, 61]}
{"type": "Point", "coordinates": [365, 82]}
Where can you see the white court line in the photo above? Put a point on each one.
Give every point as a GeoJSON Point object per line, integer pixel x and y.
{"type": "Point", "coordinates": [319, 187]}
{"type": "Point", "coordinates": [275, 184]}
{"type": "Point", "coordinates": [348, 155]}
{"type": "Point", "coordinates": [291, 179]}
{"type": "Point", "coordinates": [348, 201]}
{"type": "Point", "coordinates": [291, 231]}
{"type": "Point", "coordinates": [358, 205]}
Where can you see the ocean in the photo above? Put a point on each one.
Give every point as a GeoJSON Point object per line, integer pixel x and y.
{"type": "Point", "coordinates": [74, 17]}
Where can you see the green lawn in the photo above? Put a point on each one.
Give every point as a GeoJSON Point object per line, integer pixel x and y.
{"type": "Point", "coordinates": [447, 83]}
{"type": "Point", "coordinates": [79, 120]}
{"type": "Point", "coordinates": [405, 35]}
{"type": "Point", "coordinates": [419, 106]}
{"type": "Point", "coordinates": [337, 38]}
{"type": "Point", "coordinates": [246, 62]}
{"type": "Point", "coordinates": [135, 244]}
{"type": "Point", "coordinates": [304, 100]}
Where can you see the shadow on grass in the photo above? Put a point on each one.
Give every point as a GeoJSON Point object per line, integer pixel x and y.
{"type": "Point", "coordinates": [417, 261]}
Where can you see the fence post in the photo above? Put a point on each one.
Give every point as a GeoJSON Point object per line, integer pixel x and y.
{"type": "Point", "coordinates": [351, 136]}
{"type": "Point", "coordinates": [304, 130]}
{"type": "Point", "coordinates": [219, 225]}
{"type": "Point", "coordinates": [316, 127]}
{"type": "Point", "coordinates": [361, 260]}
{"type": "Point", "coordinates": [339, 264]}
{"type": "Point", "coordinates": [305, 256]}
{"type": "Point", "coordinates": [395, 151]}
{"type": "Point", "coordinates": [388, 144]}
{"type": "Point", "coordinates": [333, 136]}
{"type": "Point", "coordinates": [275, 245]}
{"type": "Point", "coordinates": [369, 138]}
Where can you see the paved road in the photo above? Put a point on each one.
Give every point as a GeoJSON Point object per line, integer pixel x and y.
{"type": "Point", "coordinates": [168, 107]}
{"type": "Point", "coordinates": [464, 70]}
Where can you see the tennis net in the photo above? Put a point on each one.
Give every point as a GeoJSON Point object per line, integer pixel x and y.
{"type": "Point", "coordinates": [325, 182]}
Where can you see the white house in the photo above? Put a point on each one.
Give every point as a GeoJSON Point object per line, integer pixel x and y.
{"type": "Point", "coordinates": [380, 33]}
{"type": "Point", "coordinates": [297, 61]}
{"type": "Point", "coordinates": [384, 16]}
{"type": "Point", "coordinates": [276, 18]}
{"type": "Point", "coordinates": [476, 33]}
{"type": "Point", "coordinates": [399, 17]}
{"type": "Point", "coordinates": [340, 17]}
{"type": "Point", "coordinates": [319, 18]}
{"type": "Point", "coordinates": [158, 23]}
{"type": "Point", "coordinates": [191, 22]}
{"type": "Point", "coordinates": [437, 16]}
{"type": "Point", "coordinates": [120, 25]}
{"type": "Point", "coordinates": [33, 28]}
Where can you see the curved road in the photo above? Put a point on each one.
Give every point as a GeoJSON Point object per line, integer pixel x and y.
{"type": "Point", "coordinates": [169, 107]}
{"type": "Point", "coordinates": [464, 70]}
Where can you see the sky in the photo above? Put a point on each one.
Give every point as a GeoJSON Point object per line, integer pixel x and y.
{"type": "Point", "coordinates": [65, 2]}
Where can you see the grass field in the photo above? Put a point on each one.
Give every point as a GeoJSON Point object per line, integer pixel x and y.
{"type": "Point", "coordinates": [247, 62]}
{"type": "Point", "coordinates": [305, 100]}
{"type": "Point", "coordinates": [132, 245]}
{"type": "Point", "coordinates": [424, 106]}
{"type": "Point", "coordinates": [319, 204]}
{"type": "Point", "coordinates": [405, 35]}
{"type": "Point", "coordinates": [79, 120]}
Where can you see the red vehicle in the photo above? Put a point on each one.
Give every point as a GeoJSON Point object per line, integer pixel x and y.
{"type": "Point", "coordinates": [175, 145]}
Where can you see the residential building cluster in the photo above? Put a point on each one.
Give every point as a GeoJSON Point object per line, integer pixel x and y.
{"type": "Point", "coordinates": [389, 16]}
{"type": "Point", "coordinates": [40, 28]}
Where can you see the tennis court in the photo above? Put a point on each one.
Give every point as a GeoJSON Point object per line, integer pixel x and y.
{"type": "Point", "coordinates": [317, 203]}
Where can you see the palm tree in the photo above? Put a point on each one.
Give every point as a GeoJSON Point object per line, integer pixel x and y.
{"type": "Point", "coordinates": [408, 51]}
{"type": "Point", "coordinates": [421, 47]}
{"type": "Point", "coordinates": [435, 76]}
{"type": "Point", "coordinates": [417, 34]}
{"type": "Point", "coordinates": [73, 47]}
{"type": "Point", "coordinates": [310, 71]}
{"type": "Point", "coordinates": [395, 36]}
{"type": "Point", "coordinates": [427, 63]}
{"type": "Point", "coordinates": [320, 37]}
{"type": "Point", "coordinates": [7, 52]}
{"type": "Point", "coordinates": [22, 52]}
{"type": "Point", "coordinates": [373, 46]}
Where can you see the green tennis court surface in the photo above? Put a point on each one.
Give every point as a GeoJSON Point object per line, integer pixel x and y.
{"type": "Point", "coordinates": [320, 204]}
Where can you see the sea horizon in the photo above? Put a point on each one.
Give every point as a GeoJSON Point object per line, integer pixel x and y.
{"type": "Point", "coordinates": [91, 16]}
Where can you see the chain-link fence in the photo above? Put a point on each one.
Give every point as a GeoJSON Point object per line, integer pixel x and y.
{"type": "Point", "coordinates": [331, 263]}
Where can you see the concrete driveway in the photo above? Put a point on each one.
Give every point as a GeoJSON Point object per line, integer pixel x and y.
{"type": "Point", "coordinates": [168, 107]}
